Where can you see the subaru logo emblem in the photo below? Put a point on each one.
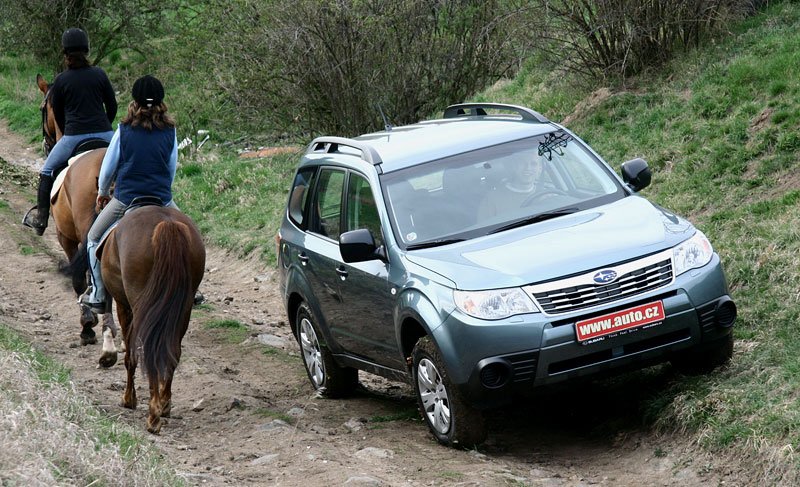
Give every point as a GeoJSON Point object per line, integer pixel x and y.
{"type": "Point", "coordinates": [605, 276]}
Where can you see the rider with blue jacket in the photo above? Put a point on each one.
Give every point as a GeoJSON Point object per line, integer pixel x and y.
{"type": "Point", "coordinates": [141, 161]}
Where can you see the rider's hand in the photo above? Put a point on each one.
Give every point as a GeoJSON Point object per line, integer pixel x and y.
{"type": "Point", "coordinates": [102, 201]}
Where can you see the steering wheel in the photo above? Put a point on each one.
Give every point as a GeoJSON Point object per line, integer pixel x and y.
{"type": "Point", "coordinates": [541, 195]}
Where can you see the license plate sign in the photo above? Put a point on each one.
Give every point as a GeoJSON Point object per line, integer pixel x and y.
{"type": "Point", "coordinates": [600, 327]}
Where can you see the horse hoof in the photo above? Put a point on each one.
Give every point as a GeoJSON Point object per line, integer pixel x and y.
{"type": "Point", "coordinates": [154, 426]}
{"type": "Point", "coordinates": [125, 405]}
{"type": "Point", "coordinates": [88, 318]}
{"type": "Point", "coordinates": [88, 340]}
{"type": "Point", "coordinates": [108, 359]}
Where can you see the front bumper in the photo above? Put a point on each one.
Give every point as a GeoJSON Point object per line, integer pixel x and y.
{"type": "Point", "coordinates": [698, 311]}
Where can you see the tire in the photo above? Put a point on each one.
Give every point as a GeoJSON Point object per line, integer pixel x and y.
{"type": "Point", "coordinates": [450, 419]}
{"type": "Point", "coordinates": [328, 378]}
{"type": "Point", "coordinates": [705, 357]}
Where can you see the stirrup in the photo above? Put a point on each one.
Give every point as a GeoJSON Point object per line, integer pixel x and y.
{"type": "Point", "coordinates": [97, 308]}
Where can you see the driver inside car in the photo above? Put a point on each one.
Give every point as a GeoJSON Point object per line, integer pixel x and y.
{"type": "Point", "coordinates": [518, 189]}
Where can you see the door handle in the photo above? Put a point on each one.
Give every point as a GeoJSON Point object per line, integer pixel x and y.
{"type": "Point", "coordinates": [303, 258]}
{"type": "Point", "coordinates": [342, 272]}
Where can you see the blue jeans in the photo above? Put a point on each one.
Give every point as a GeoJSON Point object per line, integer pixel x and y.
{"type": "Point", "coordinates": [58, 157]}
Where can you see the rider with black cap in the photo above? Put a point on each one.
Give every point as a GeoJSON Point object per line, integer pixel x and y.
{"type": "Point", "coordinates": [141, 161]}
{"type": "Point", "coordinates": [84, 105]}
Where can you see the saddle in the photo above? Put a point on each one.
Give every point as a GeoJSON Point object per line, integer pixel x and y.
{"type": "Point", "coordinates": [137, 203]}
{"type": "Point", "coordinates": [82, 148]}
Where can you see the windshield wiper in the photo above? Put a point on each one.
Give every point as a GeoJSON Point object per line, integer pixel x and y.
{"type": "Point", "coordinates": [539, 217]}
{"type": "Point", "coordinates": [434, 243]}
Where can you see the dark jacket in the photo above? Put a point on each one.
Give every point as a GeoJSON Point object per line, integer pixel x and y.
{"type": "Point", "coordinates": [144, 163]}
{"type": "Point", "coordinates": [78, 96]}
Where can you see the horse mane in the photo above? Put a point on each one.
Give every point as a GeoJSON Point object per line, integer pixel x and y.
{"type": "Point", "coordinates": [165, 302]}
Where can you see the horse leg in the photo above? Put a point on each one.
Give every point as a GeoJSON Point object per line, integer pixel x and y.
{"type": "Point", "coordinates": [156, 407]}
{"type": "Point", "coordinates": [129, 396]}
{"type": "Point", "coordinates": [88, 321]}
{"type": "Point", "coordinates": [166, 398]}
{"type": "Point", "coordinates": [109, 357]}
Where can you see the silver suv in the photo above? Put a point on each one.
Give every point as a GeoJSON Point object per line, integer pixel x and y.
{"type": "Point", "coordinates": [485, 254]}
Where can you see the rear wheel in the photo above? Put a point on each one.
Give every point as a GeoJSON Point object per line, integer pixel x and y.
{"type": "Point", "coordinates": [705, 357]}
{"type": "Point", "coordinates": [450, 419]}
{"type": "Point", "coordinates": [327, 377]}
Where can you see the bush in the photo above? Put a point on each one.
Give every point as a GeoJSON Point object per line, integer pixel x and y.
{"type": "Point", "coordinates": [122, 24]}
{"type": "Point", "coordinates": [328, 65]}
{"type": "Point", "coordinates": [619, 38]}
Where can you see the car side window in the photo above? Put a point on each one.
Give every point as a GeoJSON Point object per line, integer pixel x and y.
{"type": "Point", "coordinates": [362, 212]}
{"type": "Point", "coordinates": [298, 200]}
{"type": "Point", "coordinates": [328, 207]}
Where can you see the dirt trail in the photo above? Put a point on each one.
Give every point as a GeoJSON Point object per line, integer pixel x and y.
{"type": "Point", "coordinates": [244, 412]}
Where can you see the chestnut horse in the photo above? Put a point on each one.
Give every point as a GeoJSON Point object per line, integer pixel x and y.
{"type": "Point", "coordinates": [152, 263]}
{"type": "Point", "coordinates": [73, 211]}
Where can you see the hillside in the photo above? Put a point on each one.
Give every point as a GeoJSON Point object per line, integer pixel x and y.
{"type": "Point", "coordinates": [720, 127]}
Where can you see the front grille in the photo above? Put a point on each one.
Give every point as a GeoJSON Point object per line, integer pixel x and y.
{"type": "Point", "coordinates": [581, 292]}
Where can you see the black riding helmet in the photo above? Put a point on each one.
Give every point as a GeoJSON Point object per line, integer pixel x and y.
{"type": "Point", "coordinates": [148, 91]}
{"type": "Point", "coordinates": [75, 40]}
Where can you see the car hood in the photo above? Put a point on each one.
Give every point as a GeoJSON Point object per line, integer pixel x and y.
{"type": "Point", "coordinates": [590, 239]}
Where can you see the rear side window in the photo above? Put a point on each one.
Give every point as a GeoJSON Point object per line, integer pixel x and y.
{"type": "Point", "coordinates": [298, 200]}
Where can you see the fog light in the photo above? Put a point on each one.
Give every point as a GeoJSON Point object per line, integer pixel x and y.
{"type": "Point", "coordinates": [495, 374]}
{"type": "Point", "coordinates": [725, 313]}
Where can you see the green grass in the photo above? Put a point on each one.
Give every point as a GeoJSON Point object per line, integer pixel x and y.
{"type": "Point", "coordinates": [26, 249]}
{"type": "Point", "coordinates": [19, 96]}
{"type": "Point", "coordinates": [719, 127]}
{"type": "Point", "coordinates": [47, 370]}
{"type": "Point", "coordinates": [233, 331]}
{"type": "Point", "coordinates": [237, 203]}
{"type": "Point", "coordinates": [95, 449]}
{"type": "Point", "coordinates": [268, 413]}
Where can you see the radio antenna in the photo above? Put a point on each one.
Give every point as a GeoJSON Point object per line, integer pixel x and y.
{"type": "Point", "coordinates": [386, 124]}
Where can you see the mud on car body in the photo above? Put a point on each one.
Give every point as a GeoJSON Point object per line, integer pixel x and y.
{"type": "Point", "coordinates": [424, 253]}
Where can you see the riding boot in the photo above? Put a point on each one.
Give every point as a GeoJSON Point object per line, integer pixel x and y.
{"type": "Point", "coordinates": [95, 296]}
{"type": "Point", "coordinates": [39, 222]}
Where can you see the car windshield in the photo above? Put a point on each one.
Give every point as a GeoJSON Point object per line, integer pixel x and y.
{"type": "Point", "coordinates": [496, 188]}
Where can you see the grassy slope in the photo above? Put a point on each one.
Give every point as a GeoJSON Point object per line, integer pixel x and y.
{"type": "Point", "coordinates": [721, 129]}
{"type": "Point", "coordinates": [699, 124]}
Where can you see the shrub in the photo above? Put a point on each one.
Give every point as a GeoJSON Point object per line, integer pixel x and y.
{"type": "Point", "coordinates": [328, 65]}
{"type": "Point", "coordinates": [619, 38]}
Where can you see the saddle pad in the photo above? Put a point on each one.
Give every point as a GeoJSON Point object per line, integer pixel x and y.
{"type": "Point", "coordinates": [60, 178]}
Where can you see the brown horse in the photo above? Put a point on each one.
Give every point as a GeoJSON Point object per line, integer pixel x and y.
{"type": "Point", "coordinates": [152, 264]}
{"type": "Point", "coordinates": [73, 211]}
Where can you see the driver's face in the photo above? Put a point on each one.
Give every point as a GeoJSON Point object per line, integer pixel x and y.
{"type": "Point", "coordinates": [528, 171]}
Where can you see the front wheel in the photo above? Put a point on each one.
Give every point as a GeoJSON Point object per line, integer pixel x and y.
{"type": "Point", "coordinates": [450, 419]}
{"type": "Point", "coordinates": [327, 377]}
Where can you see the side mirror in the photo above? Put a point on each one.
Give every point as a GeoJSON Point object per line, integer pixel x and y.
{"type": "Point", "coordinates": [636, 174]}
{"type": "Point", "coordinates": [359, 246]}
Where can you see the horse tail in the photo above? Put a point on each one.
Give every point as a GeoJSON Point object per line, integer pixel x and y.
{"type": "Point", "coordinates": [78, 265]}
{"type": "Point", "coordinates": [77, 268]}
{"type": "Point", "coordinates": [161, 313]}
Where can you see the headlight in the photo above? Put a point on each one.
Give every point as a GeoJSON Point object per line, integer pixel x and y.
{"type": "Point", "coordinates": [691, 254]}
{"type": "Point", "coordinates": [495, 304]}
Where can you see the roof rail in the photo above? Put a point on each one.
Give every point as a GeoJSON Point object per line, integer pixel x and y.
{"type": "Point", "coordinates": [331, 144]}
{"type": "Point", "coordinates": [477, 109]}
